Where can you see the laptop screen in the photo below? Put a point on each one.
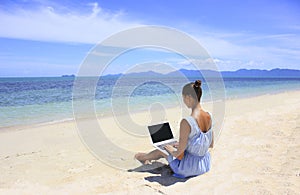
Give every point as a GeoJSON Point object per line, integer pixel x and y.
{"type": "Point", "coordinates": [160, 132]}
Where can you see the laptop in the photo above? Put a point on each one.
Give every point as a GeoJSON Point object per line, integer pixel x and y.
{"type": "Point", "coordinates": [161, 135]}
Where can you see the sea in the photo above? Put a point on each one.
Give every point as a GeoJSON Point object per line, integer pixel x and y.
{"type": "Point", "coordinates": [38, 100]}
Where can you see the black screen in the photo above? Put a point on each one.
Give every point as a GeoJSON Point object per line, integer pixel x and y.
{"type": "Point", "coordinates": [160, 132]}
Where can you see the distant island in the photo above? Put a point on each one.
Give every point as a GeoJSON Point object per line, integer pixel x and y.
{"type": "Point", "coordinates": [242, 73]}
{"type": "Point", "coordinates": [72, 75]}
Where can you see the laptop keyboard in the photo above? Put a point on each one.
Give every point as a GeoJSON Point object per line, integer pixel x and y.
{"type": "Point", "coordinates": [163, 145]}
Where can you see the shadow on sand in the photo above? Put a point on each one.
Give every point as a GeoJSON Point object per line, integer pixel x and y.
{"type": "Point", "coordinates": [165, 173]}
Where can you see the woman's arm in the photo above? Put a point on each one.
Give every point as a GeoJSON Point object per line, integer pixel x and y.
{"type": "Point", "coordinates": [212, 136]}
{"type": "Point", "coordinates": [212, 141]}
{"type": "Point", "coordinates": [185, 130]}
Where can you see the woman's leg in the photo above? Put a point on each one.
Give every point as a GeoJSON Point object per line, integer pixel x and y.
{"type": "Point", "coordinates": [147, 157]}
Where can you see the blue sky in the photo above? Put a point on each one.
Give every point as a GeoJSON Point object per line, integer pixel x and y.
{"type": "Point", "coordinates": [51, 38]}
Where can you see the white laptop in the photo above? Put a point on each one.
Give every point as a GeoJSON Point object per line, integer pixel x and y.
{"type": "Point", "coordinates": [161, 135]}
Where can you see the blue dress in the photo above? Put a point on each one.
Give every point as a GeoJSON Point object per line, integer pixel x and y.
{"type": "Point", "coordinates": [196, 159]}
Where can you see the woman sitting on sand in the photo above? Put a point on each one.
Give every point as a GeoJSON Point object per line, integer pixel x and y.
{"type": "Point", "coordinates": [189, 157]}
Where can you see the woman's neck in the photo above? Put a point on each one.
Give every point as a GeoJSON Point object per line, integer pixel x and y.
{"type": "Point", "coordinates": [196, 107]}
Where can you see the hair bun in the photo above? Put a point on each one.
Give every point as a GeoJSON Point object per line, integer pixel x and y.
{"type": "Point", "coordinates": [197, 83]}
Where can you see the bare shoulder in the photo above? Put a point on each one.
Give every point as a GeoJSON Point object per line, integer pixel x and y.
{"type": "Point", "coordinates": [208, 116]}
{"type": "Point", "coordinates": [208, 119]}
{"type": "Point", "coordinates": [204, 114]}
{"type": "Point", "coordinates": [184, 122]}
{"type": "Point", "coordinates": [205, 120]}
{"type": "Point", "coordinates": [185, 126]}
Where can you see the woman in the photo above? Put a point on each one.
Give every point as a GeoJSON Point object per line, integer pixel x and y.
{"type": "Point", "coordinates": [189, 157]}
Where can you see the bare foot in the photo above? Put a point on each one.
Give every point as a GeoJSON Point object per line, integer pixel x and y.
{"type": "Point", "coordinates": [141, 157]}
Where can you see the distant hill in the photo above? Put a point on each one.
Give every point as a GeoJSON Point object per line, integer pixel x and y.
{"type": "Point", "coordinates": [135, 75]}
{"type": "Point", "coordinates": [145, 74]}
{"type": "Point", "coordinates": [274, 73]}
{"type": "Point", "coordinates": [193, 73]}
{"type": "Point", "coordinates": [246, 73]}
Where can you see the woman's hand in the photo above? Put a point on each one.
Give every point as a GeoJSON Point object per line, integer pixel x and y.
{"type": "Point", "coordinates": [175, 145]}
{"type": "Point", "coordinates": [170, 149]}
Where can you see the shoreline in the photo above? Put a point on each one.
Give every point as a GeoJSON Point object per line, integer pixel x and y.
{"type": "Point", "coordinates": [72, 119]}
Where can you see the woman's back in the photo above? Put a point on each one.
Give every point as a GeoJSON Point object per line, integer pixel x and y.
{"type": "Point", "coordinates": [196, 159]}
{"type": "Point", "coordinates": [203, 120]}
{"type": "Point", "coordinates": [199, 138]}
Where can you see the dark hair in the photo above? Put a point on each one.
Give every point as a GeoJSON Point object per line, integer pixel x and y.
{"type": "Point", "coordinates": [193, 89]}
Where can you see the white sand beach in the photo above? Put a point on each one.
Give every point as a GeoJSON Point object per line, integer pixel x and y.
{"type": "Point", "coordinates": [258, 152]}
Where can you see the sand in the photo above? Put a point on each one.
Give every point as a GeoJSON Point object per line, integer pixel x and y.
{"type": "Point", "coordinates": [258, 152]}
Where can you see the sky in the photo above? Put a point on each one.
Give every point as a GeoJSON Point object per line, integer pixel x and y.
{"type": "Point", "coordinates": [52, 38]}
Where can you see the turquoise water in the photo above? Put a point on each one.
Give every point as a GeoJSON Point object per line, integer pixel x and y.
{"type": "Point", "coordinates": [25, 101]}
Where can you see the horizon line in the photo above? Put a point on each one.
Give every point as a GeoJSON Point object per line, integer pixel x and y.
{"type": "Point", "coordinates": [114, 74]}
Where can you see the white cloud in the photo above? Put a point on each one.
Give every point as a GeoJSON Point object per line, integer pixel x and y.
{"type": "Point", "coordinates": [47, 24]}
{"type": "Point", "coordinates": [281, 50]}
